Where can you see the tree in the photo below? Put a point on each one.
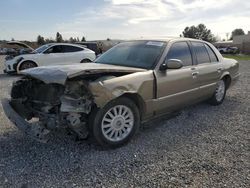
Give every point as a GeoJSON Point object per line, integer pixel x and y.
{"type": "Point", "coordinates": [83, 39]}
{"type": "Point", "coordinates": [59, 37]}
{"type": "Point", "coordinates": [49, 40]}
{"type": "Point", "coordinates": [237, 32]}
{"type": "Point", "coordinates": [40, 40]}
{"type": "Point", "coordinates": [72, 40]}
{"type": "Point", "coordinates": [199, 32]}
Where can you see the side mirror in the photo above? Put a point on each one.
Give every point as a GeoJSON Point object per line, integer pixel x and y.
{"type": "Point", "coordinates": [171, 64]}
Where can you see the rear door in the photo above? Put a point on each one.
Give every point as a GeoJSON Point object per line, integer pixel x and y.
{"type": "Point", "coordinates": [71, 54]}
{"type": "Point", "coordinates": [176, 87]}
{"type": "Point", "coordinates": [208, 67]}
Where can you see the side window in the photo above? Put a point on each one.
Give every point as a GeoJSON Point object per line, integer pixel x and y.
{"type": "Point", "coordinates": [211, 54]}
{"type": "Point", "coordinates": [201, 52]}
{"type": "Point", "coordinates": [54, 49]}
{"type": "Point", "coordinates": [181, 51]}
{"type": "Point", "coordinates": [68, 49]}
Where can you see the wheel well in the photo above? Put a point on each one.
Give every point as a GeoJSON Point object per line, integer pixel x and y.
{"type": "Point", "coordinates": [227, 80]}
{"type": "Point", "coordinates": [26, 61]}
{"type": "Point", "coordinates": [85, 60]}
{"type": "Point", "coordinates": [137, 99]}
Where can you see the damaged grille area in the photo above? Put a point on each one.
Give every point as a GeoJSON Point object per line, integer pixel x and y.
{"type": "Point", "coordinates": [50, 106]}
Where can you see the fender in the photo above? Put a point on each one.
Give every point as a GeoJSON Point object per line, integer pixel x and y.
{"type": "Point", "coordinates": [226, 73]}
{"type": "Point", "coordinates": [140, 83]}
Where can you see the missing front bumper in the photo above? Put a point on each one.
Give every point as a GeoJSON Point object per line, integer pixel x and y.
{"type": "Point", "coordinates": [33, 130]}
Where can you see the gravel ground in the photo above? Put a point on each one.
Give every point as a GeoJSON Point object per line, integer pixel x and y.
{"type": "Point", "coordinates": [203, 146]}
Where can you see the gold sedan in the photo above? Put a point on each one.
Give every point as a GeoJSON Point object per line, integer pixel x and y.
{"type": "Point", "coordinates": [132, 82]}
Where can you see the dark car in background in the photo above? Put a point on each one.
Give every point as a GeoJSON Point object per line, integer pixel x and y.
{"type": "Point", "coordinates": [94, 46]}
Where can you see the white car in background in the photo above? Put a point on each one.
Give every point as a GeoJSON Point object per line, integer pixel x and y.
{"type": "Point", "coordinates": [50, 54]}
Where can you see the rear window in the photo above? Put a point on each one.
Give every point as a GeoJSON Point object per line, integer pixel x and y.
{"type": "Point", "coordinates": [201, 52]}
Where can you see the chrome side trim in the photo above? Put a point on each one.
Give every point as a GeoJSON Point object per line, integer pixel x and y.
{"type": "Point", "coordinates": [184, 92]}
{"type": "Point", "coordinates": [208, 85]}
{"type": "Point", "coordinates": [176, 94]}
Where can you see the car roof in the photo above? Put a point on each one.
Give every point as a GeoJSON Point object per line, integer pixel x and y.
{"type": "Point", "coordinates": [68, 44]}
{"type": "Point", "coordinates": [168, 39]}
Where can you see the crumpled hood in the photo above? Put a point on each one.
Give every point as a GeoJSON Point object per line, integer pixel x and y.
{"type": "Point", "coordinates": [60, 73]}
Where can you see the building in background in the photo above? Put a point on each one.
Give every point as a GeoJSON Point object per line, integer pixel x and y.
{"type": "Point", "coordinates": [242, 42]}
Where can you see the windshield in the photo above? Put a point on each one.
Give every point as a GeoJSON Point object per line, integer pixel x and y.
{"type": "Point", "coordinates": [42, 48]}
{"type": "Point", "coordinates": [141, 54]}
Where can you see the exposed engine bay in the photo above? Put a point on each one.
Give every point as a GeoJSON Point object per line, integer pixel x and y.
{"type": "Point", "coordinates": [47, 99]}
{"type": "Point", "coordinates": [50, 106]}
{"type": "Point", "coordinates": [47, 107]}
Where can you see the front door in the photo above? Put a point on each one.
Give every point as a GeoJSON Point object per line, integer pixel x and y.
{"type": "Point", "coordinates": [177, 87]}
{"type": "Point", "coordinates": [52, 56]}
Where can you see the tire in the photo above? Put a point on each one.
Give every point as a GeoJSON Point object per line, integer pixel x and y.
{"type": "Point", "coordinates": [115, 131]}
{"type": "Point", "coordinates": [27, 65]}
{"type": "Point", "coordinates": [86, 61]}
{"type": "Point", "coordinates": [219, 94]}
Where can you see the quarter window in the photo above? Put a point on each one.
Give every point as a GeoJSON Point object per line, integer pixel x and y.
{"type": "Point", "coordinates": [211, 53]}
{"type": "Point", "coordinates": [181, 51]}
{"type": "Point", "coordinates": [201, 52]}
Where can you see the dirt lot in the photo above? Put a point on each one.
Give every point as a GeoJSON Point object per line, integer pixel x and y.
{"type": "Point", "coordinates": [204, 146]}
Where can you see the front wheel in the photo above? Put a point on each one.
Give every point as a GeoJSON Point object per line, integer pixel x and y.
{"type": "Point", "coordinates": [219, 94]}
{"type": "Point", "coordinates": [27, 65]}
{"type": "Point", "coordinates": [116, 123]}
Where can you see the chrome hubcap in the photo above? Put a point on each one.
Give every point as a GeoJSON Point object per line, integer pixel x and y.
{"type": "Point", "coordinates": [117, 123]}
{"type": "Point", "coordinates": [220, 90]}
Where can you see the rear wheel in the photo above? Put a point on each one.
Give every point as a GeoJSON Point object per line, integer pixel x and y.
{"type": "Point", "coordinates": [116, 123]}
{"type": "Point", "coordinates": [219, 93]}
{"type": "Point", "coordinates": [27, 65]}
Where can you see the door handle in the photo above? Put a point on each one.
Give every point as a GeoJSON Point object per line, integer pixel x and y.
{"type": "Point", "coordinates": [195, 73]}
{"type": "Point", "coordinates": [219, 69]}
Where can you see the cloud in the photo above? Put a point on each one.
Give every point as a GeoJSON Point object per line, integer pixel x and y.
{"type": "Point", "coordinates": [136, 18]}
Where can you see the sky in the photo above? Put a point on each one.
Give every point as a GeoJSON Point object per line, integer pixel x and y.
{"type": "Point", "coordinates": [119, 19]}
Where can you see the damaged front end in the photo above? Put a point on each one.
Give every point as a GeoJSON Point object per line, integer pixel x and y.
{"type": "Point", "coordinates": [38, 108]}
